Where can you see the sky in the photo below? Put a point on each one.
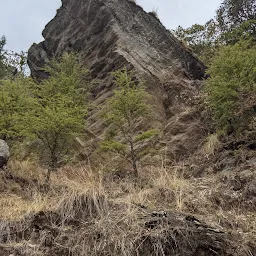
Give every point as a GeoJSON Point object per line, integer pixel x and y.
{"type": "Point", "coordinates": [22, 21]}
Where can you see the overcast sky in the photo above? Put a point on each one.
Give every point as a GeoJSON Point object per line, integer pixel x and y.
{"type": "Point", "coordinates": [22, 21]}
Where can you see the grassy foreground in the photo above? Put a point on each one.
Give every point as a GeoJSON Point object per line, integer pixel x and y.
{"type": "Point", "coordinates": [88, 212]}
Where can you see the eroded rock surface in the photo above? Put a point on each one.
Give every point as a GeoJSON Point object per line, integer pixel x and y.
{"type": "Point", "coordinates": [110, 34]}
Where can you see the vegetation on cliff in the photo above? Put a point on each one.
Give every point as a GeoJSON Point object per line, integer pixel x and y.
{"type": "Point", "coordinates": [232, 87]}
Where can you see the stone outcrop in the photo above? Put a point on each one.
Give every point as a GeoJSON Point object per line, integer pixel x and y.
{"type": "Point", "coordinates": [4, 153]}
{"type": "Point", "coordinates": [110, 34]}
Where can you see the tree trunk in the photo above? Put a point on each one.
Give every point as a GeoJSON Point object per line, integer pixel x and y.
{"type": "Point", "coordinates": [52, 168]}
{"type": "Point", "coordinates": [133, 157]}
{"type": "Point", "coordinates": [47, 178]}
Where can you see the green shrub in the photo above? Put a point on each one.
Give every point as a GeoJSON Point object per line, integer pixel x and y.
{"type": "Point", "coordinates": [231, 87]}
{"type": "Point", "coordinates": [60, 109]}
{"type": "Point", "coordinates": [15, 102]}
{"type": "Point", "coordinates": [124, 110]}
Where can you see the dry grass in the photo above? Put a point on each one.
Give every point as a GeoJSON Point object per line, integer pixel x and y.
{"type": "Point", "coordinates": [211, 145]}
{"type": "Point", "coordinates": [95, 214]}
{"type": "Point", "coordinates": [27, 170]}
{"type": "Point", "coordinates": [174, 182]}
{"type": "Point", "coordinates": [14, 207]}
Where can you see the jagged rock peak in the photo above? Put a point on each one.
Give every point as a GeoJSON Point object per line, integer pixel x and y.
{"type": "Point", "coordinates": [110, 34]}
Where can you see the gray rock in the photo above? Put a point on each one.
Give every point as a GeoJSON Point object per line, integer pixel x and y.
{"type": "Point", "coordinates": [4, 153]}
{"type": "Point", "coordinates": [110, 34]}
{"type": "Point", "coordinates": [38, 59]}
{"type": "Point", "coordinates": [161, 214]}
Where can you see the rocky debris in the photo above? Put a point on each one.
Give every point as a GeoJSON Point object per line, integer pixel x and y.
{"type": "Point", "coordinates": [203, 239]}
{"type": "Point", "coordinates": [162, 214]}
{"type": "Point", "coordinates": [4, 153]}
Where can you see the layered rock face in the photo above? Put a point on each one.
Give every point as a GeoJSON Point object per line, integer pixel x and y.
{"type": "Point", "coordinates": [110, 34]}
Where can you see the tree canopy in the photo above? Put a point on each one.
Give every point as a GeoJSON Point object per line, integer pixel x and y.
{"type": "Point", "coordinates": [233, 13]}
{"type": "Point", "coordinates": [59, 113]}
{"type": "Point", "coordinates": [232, 86]}
{"type": "Point", "coordinates": [234, 20]}
{"type": "Point", "coordinates": [15, 102]}
{"type": "Point", "coordinates": [52, 111]}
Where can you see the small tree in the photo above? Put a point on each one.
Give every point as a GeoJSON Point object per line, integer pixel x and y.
{"type": "Point", "coordinates": [232, 86]}
{"type": "Point", "coordinates": [124, 111]}
{"type": "Point", "coordinates": [58, 116]}
{"type": "Point", "coordinates": [16, 64]}
{"type": "Point", "coordinates": [15, 101]}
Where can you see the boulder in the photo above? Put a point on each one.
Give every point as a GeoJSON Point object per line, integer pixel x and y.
{"type": "Point", "coordinates": [4, 153]}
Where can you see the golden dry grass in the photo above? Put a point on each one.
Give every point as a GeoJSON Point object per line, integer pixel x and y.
{"type": "Point", "coordinates": [78, 193]}
{"type": "Point", "coordinates": [15, 207]}
{"type": "Point", "coordinates": [211, 145]}
{"type": "Point", "coordinates": [26, 169]}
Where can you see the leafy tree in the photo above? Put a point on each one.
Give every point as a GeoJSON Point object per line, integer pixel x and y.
{"type": "Point", "coordinates": [235, 20]}
{"type": "Point", "coordinates": [16, 63]}
{"type": "Point", "coordinates": [245, 31]}
{"type": "Point", "coordinates": [2, 43]}
{"type": "Point", "coordinates": [233, 13]}
{"type": "Point", "coordinates": [124, 111]}
{"type": "Point", "coordinates": [227, 45]}
{"type": "Point", "coordinates": [232, 86]}
{"type": "Point", "coordinates": [2, 66]}
{"type": "Point", "coordinates": [15, 101]}
{"type": "Point", "coordinates": [201, 39]}
{"type": "Point", "coordinates": [12, 63]}
{"type": "Point", "coordinates": [58, 116]}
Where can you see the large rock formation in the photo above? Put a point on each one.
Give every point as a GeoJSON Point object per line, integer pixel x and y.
{"type": "Point", "coordinates": [109, 34]}
{"type": "Point", "coordinates": [4, 153]}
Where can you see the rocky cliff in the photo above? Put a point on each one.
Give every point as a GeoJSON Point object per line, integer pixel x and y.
{"type": "Point", "coordinates": [109, 34]}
